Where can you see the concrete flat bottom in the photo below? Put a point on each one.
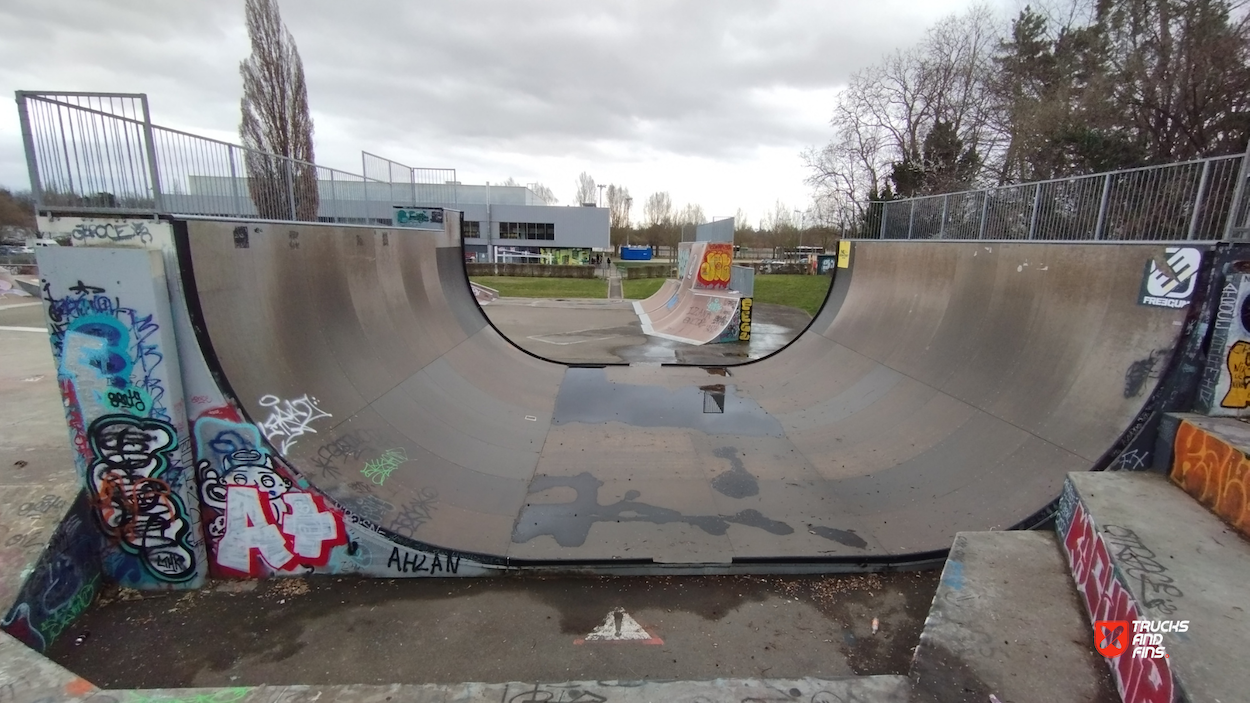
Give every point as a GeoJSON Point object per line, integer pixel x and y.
{"type": "Point", "coordinates": [581, 331]}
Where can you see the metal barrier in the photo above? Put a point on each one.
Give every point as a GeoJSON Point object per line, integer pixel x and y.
{"type": "Point", "coordinates": [1188, 200]}
{"type": "Point", "coordinates": [100, 152]}
{"type": "Point", "coordinates": [417, 186]}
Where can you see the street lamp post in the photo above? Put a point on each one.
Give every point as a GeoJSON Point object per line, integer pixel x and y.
{"type": "Point", "coordinates": [798, 217]}
{"type": "Point", "coordinates": [601, 187]}
{"type": "Point", "coordinates": [629, 202]}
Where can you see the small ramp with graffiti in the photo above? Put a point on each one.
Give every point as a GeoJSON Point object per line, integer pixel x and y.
{"type": "Point", "coordinates": [698, 307]}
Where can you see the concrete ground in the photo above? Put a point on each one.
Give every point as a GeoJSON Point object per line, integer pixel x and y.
{"type": "Point", "coordinates": [37, 477]}
{"type": "Point", "coordinates": [344, 630]}
{"type": "Point", "coordinates": [584, 331]}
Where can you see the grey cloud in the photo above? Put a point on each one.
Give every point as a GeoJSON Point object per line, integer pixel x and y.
{"type": "Point", "coordinates": [544, 77]}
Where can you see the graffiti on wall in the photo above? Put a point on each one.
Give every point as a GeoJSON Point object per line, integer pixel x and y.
{"type": "Point", "coordinates": [714, 269]}
{"type": "Point", "coordinates": [111, 232]}
{"type": "Point", "coordinates": [338, 453]}
{"type": "Point", "coordinates": [62, 584]}
{"type": "Point", "coordinates": [289, 419]}
{"type": "Point", "coordinates": [128, 486]}
{"type": "Point", "coordinates": [258, 523]}
{"type": "Point", "coordinates": [1139, 679]}
{"type": "Point", "coordinates": [380, 469]}
{"type": "Point", "coordinates": [1215, 473]}
{"type": "Point", "coordinates": [711, 316]}
{"type": "Point", "coordinates": [111, 371]}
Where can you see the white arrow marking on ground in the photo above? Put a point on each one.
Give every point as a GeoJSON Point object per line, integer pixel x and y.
{"type": "Point", "coordinates": [619, 626]}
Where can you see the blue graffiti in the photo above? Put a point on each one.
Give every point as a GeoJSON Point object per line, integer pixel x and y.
{"type": "Point", "coordinates": [112, 360]}
{"type": "Point", "coordinates": [128, 356]}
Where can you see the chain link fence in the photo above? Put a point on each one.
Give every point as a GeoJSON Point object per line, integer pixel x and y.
{"type": "Point", "coordinates": [1193, 200]}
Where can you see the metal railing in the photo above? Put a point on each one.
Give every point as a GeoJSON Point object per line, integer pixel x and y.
{"type": "Point", "coordinates": [94, 152]}
{"type": "Point", "coordinates": [1192, 200]}
{"type": "Point", "coordinates": [410, 184]}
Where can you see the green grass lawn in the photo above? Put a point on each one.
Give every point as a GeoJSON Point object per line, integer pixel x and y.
{"type": "Point", "coordinates": [527, 287]}
{"type": "Point", "coordinates": [640, 288]}
{"type": "Point", "coordinates": [803, 292]}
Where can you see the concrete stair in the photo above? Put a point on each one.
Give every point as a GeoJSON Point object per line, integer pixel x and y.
{"type": "Point", "coordinates": [1007, 621]}
{"type": "Point", "coordinates": [1141, 548]}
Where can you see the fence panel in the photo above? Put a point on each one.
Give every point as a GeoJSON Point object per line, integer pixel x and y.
{"type": "Point", "coordinates": [1188, 200]}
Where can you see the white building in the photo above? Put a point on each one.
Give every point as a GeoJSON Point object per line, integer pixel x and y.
{"type": "Point", "coordinates": [500, 222]}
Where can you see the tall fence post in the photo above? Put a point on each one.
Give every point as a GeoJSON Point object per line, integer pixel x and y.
{"type": "Point", "coordinates": [1198, 198]}
{"type": "Point", "coordinates": [28, 143]}
{"type": "Point", "coordinates": [150, 144]}
{"type": "Point", "coordinates": [1037, 202]}
{"type": "Point", "coordinates": [364, 182]}
{"type": "Point", "coordinates": [985, 210]}
{"type": "Point", "coordinates": [1231, 229]}
{"type": "Point", "coordinates": [911, 219]}
{"type": "Point", "coordinates": [1102, 207]}
{"type": "Point", "coordinates": [234, 184]}
{"type": "Point", "coordinates": [885, 213]}
{"type": "Point", "coordinates": [942, 222]}
{"type": "Point", "coordinates": [290, 187]}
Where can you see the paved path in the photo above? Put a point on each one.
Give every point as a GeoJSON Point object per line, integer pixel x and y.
{"type": "Point", "coordinates": [614, 284]}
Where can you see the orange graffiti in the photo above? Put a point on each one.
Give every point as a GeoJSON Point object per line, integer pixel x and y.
{"type": "Point", "coordinates": [714, 271]}
{"type": "Point", "coordinates": [79, 687]}
{"type": "Point", "coordinates": [1214, 473]}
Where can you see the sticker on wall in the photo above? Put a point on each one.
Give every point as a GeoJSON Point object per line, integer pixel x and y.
{"type": "Point", "coordinates": [1238, 395]}
{"type": "Point", "coordinates": [844, 254]}
{"type": "Point", "coordinates": [419, 217]}
{"type": "Point", "coordinates": [1171, 285]}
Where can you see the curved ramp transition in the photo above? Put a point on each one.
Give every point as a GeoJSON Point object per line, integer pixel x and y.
{"type": "Point", "coordinates": [944, 387]}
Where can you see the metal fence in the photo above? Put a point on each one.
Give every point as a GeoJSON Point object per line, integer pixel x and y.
{"type": "Point", "coordinates": [1189, 200]}
{"type": "Point", "coordinates": [94, 152]}
{"type": "Point", "coordinates": [416, 186]}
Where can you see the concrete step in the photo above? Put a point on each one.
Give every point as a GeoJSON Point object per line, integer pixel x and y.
{"type": "Point", "coordinates": [1140, 548]}
{"type": "Point", "coordinates": [1007, 621]}
{"type": "Point", "coordinates": [1206, 457]}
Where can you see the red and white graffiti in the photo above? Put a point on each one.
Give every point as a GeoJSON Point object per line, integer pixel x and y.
{"type": "Point", "coordinates": [1139, 679]}
{"type": "Point", "coordinates": [282, 533]}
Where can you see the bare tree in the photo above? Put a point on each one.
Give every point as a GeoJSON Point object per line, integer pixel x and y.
{"type": "Point", "coordinates": [619, 204]}
{"type": "Point", "coordinates": [586, 191]}
{"type": "Point", "coordinates": [544, 193]}
{"type": "Point", "coordinates": [742, 221]}
{"type": "Point", "coordinates": [276, 121]}
{"type": "Point", "coordinates": [884, 117]}
{"type": "Point", "coordinates": [17, 216]}
{"type": "Point", "coordinates": [658, 210]}
{"type": "Point", "coordinates": [691, 214]}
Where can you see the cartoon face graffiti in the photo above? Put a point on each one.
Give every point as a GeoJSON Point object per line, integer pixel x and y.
{"type": "Point", "coordinates": [254, 469]}
{"type": "Point", "coordinates": [243, 467]}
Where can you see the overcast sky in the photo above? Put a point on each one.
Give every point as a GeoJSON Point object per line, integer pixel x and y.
{"type": "Point", "coordinates": [712, 101]}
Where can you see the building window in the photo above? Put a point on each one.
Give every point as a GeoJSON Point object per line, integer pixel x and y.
{"type": "Point", "coordinates": [544, 231]}
{"type": "Point", "coordinates": [471, 230]}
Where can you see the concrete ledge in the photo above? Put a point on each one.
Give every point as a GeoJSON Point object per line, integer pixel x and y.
{"type": "Point", "coordinates": [1006, 621]}
{"type": "Point", "coordinates": [1140, 548]}
{"type": "Point", "coordinates": [867, 689]}
{"type": "Point", "coordinates": [1208, 461]}
{"type": "Point", "coordinates": [27, 676]}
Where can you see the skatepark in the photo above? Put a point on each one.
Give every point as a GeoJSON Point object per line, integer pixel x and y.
{"type": "Point", "coordinates": [249, 399]}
